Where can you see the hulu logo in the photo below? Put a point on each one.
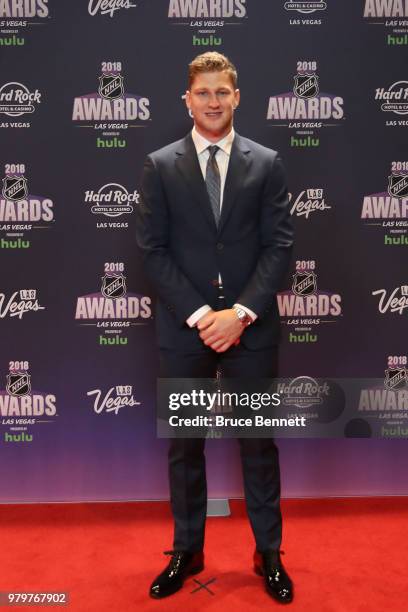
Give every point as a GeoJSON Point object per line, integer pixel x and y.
{"type": "Point", "coordinates": [14, 244]}
{"type": "Point", "coordinates": [302, 337]}
{"type": "Point", "coordinates": [397, 40]}
{"type": "Point", "coordinates": [112, 341]}
{"type": "Point", "coordinates": [304, 142]}
{"type": "Point", "coordinates": [11, 41]}
{"type": "Point", "coordinates": [21, 437]}
{"type": "Point", "coordinates": [206, 41]}
{"type": "Point", "coordinates": [396, 432]}
{"type": "Point", "coordinates": [110, 143]}
{"type": "Point", "coordinates": [396, 240]}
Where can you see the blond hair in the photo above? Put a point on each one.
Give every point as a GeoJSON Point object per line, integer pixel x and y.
{"type": "Point", "coordinates": [212, 61]}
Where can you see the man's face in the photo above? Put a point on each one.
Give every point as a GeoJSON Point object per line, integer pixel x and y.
{"type": "Point", "coordinates": [212, 100]}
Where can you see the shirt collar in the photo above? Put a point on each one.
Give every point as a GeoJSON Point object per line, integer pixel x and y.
{"type": "Point", "coordinates": [202, 143]}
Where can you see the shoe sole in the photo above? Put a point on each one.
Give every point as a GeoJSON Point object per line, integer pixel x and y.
{"type": "Point", "coordinates": [193, 571]}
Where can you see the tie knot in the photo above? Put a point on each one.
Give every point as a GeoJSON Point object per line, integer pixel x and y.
{"type": "Point", "coordinates": [213, 151]}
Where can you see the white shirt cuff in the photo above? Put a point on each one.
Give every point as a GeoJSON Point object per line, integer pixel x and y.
{"type": "Point", "coordinates": [196, 316]}
{"type": "Point", "coordinates": [248, 311]}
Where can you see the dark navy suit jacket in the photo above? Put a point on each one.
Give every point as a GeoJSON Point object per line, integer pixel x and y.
{"type": "Point", "coordinates": [184, 251]}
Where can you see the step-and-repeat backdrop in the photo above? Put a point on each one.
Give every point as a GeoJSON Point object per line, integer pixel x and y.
{"type": "Point", "coordinates": [87, 89]}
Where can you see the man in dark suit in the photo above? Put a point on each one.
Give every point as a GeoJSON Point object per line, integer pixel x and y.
{"type": "Point", "coordinates": [215, 232]}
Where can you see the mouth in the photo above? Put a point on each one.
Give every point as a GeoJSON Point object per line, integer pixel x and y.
{"type": "Point", "coordinates": [214, 115]}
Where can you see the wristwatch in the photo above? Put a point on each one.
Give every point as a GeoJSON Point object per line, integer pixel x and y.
{"type": "Point", "coordinates": [243, 316]}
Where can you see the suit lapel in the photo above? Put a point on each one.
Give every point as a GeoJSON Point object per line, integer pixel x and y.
{"type": "Point", "coordinates": [187, 163]}
{"type": "Point", "coordinates": [238, 167]}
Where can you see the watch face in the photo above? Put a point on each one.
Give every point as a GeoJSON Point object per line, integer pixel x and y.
{"type": "Point", "coordinates": [243, 316]}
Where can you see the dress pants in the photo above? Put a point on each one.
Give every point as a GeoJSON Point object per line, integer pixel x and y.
{"type": "Point", "coordinates": [259, 457]}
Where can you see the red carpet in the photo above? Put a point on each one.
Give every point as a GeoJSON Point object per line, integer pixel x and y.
{"type": "Point", "coordinates": [344, 555]}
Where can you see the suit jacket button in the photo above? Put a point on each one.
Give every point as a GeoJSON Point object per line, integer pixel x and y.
{"type": "Point", "coordinates": [220, 246]}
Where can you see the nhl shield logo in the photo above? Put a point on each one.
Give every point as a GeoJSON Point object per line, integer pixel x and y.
{"type": "Point", "coordinates": [14, 188]}
{"type": "Point", "coordinates": [111, 86]}
{"type": "Point", "coordinates": [18, 384]}
{"type": "Point", "coordinates": [306, 85]}
{"type": "Point", "coordinates": [395, 378]}
{"type": "Point", "coordinates": [304, 283]}
{"type": "Point", "coordinates": [398, 185]}
{"type": "Point", "coordinates": [113, 287]}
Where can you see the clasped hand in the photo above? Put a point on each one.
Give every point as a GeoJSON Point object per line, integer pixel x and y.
{"type": "Point", "coordinates": [220, 329]}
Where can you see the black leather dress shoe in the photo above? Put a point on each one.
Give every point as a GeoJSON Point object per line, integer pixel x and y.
{"type": "Point", "coordinates": [182, 564]}
{"type": "Point", "coordinates": [277, 582]}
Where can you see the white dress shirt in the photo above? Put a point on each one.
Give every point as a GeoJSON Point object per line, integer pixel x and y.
{"type": "Point", "coordinates": [222, 156]}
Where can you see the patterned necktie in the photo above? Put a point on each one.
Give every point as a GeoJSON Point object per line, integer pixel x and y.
{"type": "Point", "coordinates": [213, 182]}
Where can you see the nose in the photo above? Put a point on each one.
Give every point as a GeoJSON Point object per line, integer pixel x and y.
{"type": "Point", "coordinates": [213, 101]}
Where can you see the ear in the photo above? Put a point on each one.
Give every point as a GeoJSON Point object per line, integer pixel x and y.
{"type": "Point", "coordinates": [187, 98]}
{"type": "Point", "coordinates": [237, 98]}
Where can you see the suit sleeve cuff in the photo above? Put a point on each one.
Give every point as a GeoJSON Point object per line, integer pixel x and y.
{"type": "Point", "coordinates": [248, 311]}
{"type": "Point", "coordinates": [197, 314]}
